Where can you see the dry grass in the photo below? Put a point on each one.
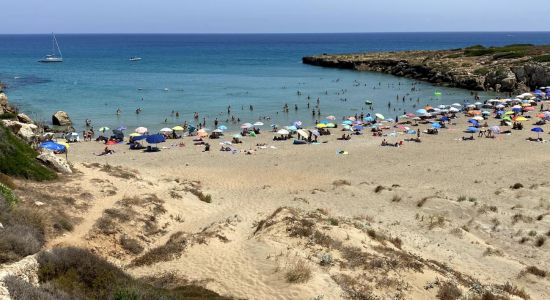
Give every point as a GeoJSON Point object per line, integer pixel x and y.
{"type": "Point", "coordinates": [131, 245]}
{"type": "Point", "coordinates": [353, 288]}
{"type": "Point", "coordinates": [298, 272]}
{"type": "Point", "coordinates": [172, 249]}
{"type": "Point", "coordinates": [448, 291]}
{"type": "Point", "coordinates": [514, 290]}
{"type": "Point", "coordinates": [521, 218]}
{"type": "Point", "coordinates": [199, 194]}
{"type": "Point", "coordinates": [119, 172]}
{"type": "Point", "coordinates": [492, 252]}
{"type": "Point", "coordinates": [422, 202]}
{"type": "Point", "coordinates": [534, 271]}
{"type": "Point", "coordinates": [340, 182]}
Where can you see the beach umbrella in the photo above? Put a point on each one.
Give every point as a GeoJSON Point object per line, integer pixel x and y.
{"type": "Point", "coordinates": [331, 125]}
{"type": "Point", "coordinates": [456, 105]}
{"type": "Point", "coordinates": [298, 124]}
{"type": "Point", "coordinates": [410, 131]}
{"type": "Point", "coordinates": [495, 129]}
{"type": "Point", "coordinates": [321, 125]}
{"type": "Point", "coordinates": [258, 124]}
{"type": "Point", "coordinates": [351, 118]}
{"type": "Point", "coordinates": [478, 118]}
{"type": "Point", "coordinates": [202, 133]}
{"type": "Point", "coordinates": [507, 118]}
{"type": "Point", "coordinates": [346, 127]}
{"type": "Point", "coordinates": [177, 128]}
{"type": "Point", "coordinates": [530, 108]}
{"type": "Point", "coordinates": [283, 131]}
{"type": "Point", "coordinates": [155, 139]}
{"type": "Point", "coordinates": [538, 130]}
{"type": "Point", "coordinates": [332, 118]}
{"type": "Point", "coordinates": [103, 129]}
{"type": "Point", "coordinates": [246, 125]}
{"type": "Point", "coordinates": [421, 111]}
{"type": "Point", "coordinates": [485, 112]}
{"type": "Point", "coordinates": [473, 122]}
{"type": "Point", "coordinates": [454, 109]}
{"type": "Point", "coordinates": [380, 116]}
{"type": "Point", "coordinates": [443, 119]}
{"type": "Point", "coordinates": [222, 127]}
{"type": "Point", "coordinates": [520, 119]}
{"type": "Point", "coordinates": [166, 130]}
{"type": "Point", "coordinates": [347, 122]}
{"type": "Point", "coordinates": [500, 106]}
{"type": "Point", "coordinates": [509, 112]}
{"type": "Point", "coordinates": [436, 125]}
{"type": "Point", "coordinates": [472, 129]}
{"type": "Point", "coordinates": [291, 128]}
{"type": "Point", "coordinates": [442, 106]}
{"type": "Point", "coordinates": [121, 128]}
{"type": "Point", "coordinates": [217, 131]}
{"type": "Point", "coordinates": [410, 115]}
{"type": "Point", "coordinates": [357, 127]}
{"type": "Point", "coordinates": [49, 145]}
{"type": "Point", "coordinates": [141, 130]}
{"type": "Point", "coordinates": [134, 134]}
{"type": "Point", "coordinates": [302, 133]}
{"type": "Point", "coordinates": [368, 119]}
{"type": "Point", "coordinates": [315, 133]}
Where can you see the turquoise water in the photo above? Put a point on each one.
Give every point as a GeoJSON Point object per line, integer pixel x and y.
{"type": "Point", "coordinates": [206, 73]}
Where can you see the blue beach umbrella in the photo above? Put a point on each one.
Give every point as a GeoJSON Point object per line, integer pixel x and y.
{"type": "Point", "coordinates": [436, 125]}
{"type": "Point", "coordinates": [421, 111]}
{"type": "Point", "coordinates": [444, 119]}
{"type": "Point", "coordinates": [49, 145]}
{"type": "Point", "coordinates": [516, 110]}
{"type": "Point", "coordinates": [357, 127]}
{"type": "Point", "coordinates": [222, 127]}
{"type": "Point", "coordinates": [472, 129]}
{"type": "Point", "coordinates": [368, 119]}
{"type": "Point", "coordinates": [473, 122]}
{"type": "Point", "coordinates": [347, 122]}
{"type": "Point", "coordinates": [538, 130]}
{"type": "Point", "coordinates": [155, 139]}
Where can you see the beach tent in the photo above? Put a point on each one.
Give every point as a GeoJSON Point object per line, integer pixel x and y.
{"type": "Point", "coordinates": [49, 145]}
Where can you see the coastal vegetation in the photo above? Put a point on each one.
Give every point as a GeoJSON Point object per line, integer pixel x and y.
{"type": "Point", "coordinates": [511, 68]}
{"type": "Point", "coordinates": [18, 159]}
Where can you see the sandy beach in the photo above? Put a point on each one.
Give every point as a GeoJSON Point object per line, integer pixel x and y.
{"type": "Point", "coordinates": [445, 199]}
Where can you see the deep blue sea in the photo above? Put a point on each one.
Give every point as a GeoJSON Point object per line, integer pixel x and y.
{"type": "Point", "coordinates": [206, 73]}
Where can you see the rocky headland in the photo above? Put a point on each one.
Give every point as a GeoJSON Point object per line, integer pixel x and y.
{"type": "Point", "coordinates": [513, 68]}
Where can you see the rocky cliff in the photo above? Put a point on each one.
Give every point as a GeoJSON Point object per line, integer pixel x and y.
{"type": "Point", "coordinates": [513, 68]}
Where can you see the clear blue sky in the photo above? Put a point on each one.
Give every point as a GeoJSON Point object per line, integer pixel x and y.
{"type": "Point", "coordinates": [271, 16]}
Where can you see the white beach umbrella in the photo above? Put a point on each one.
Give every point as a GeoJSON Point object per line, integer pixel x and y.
{"type": "Point", "coordinates": [258, 124]}
{"type": "Point", "coordinates": [246, 125]}
{"type": "Point", "coordinates": [283, 131]}
{"type": "Point", "coordinates": [166, 130]}
{"type": "Point", "coordinates": [141, 130]}
{"type": "Point", "coordinates": [454, 109]}
{"type": "Point", "coordinates": [456, 105]}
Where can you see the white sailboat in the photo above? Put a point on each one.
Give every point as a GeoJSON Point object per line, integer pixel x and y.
{"type": "Point", "coordinates": [51, 58]}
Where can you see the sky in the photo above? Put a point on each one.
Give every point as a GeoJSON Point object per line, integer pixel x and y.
{"type": "Point", "coordinates": [271, 16]}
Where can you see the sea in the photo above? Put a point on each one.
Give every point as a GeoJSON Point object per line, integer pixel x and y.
{"type": "Point", "coordinates": [254, 75]}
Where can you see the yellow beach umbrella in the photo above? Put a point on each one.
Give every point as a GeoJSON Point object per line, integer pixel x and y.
{"type": "Point", "coordinates": [134, 134]}
{"type": "Point", "coordinates": [509, 112]}
{"type": "Point", "coordinates": [177, 128]}
{"type": "Point", "coordinates": [380, 116]}
{"type": "Point", "coordinates": [519, 119]}
{"type": "Point", "coordinates": [321, 125]}
{"type": "Point", "coordinates": [65, 144]}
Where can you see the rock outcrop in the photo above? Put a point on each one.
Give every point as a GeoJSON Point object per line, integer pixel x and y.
{"type": "Point", "coordinates": [516, 68]}
{"type": "Point", "coordinates": [23, 118]}
{"type": "Point", "coordinates": [25, 269]}
{"type": "Point", "coordinates": [23, 130]}
{"type": "Point", "coordinates": [61, 118]}
{"type": "Point", "coordinates": [57, 163]}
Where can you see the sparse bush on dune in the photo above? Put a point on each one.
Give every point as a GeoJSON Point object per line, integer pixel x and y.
{"type": "Point", "coordinates": [534, 271]}
{"type": "Point", "coordinates": [131, 245]}
{"type": "Point", "coordinates": [84, 275]}
{"type": "Point", "coordinates": [448, 291]}
{"type": "Point", "coordinates": [173, 248]}
{"type": "Point", "coordinates": [298, 272]}
{"type": "Point", "coordinates": [19, 289]}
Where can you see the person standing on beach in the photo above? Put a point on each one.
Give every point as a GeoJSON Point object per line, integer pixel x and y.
{"type": "Point", "coordinates": [216, 123]}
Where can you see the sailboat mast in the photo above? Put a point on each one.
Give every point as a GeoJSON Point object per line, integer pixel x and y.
{"type": "Point", "coordinates": [58, 49]}
{"type": "Point", "coordinates": [53, 44]}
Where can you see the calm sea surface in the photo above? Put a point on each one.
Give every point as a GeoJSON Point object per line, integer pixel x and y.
{"type": "Point", "coordinates": [206, 73]}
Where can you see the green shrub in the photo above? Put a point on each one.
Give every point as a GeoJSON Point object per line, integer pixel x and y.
{"type": "Point", "coordinates": [7, 116]}
{"type": "Point", "coordinates": [542, 58]}
{"type": "Point", "coordinates": [482, 71]}
{"type": "Point", "coordinates": [18, 159]}
{"type": "Point", "coordinates": [509, 55]}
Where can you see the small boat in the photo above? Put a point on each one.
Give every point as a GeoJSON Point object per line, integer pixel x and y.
{"type": "Point", "coordinates": [135, 58]}
{"type": "Point", "coordinates": [368, 102]}
{"type": "Point", "coordinates": [53, 58]}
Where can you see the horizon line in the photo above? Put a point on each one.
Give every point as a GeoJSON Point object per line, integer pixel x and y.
{"type": "Point", "coordinates": [270, 33]}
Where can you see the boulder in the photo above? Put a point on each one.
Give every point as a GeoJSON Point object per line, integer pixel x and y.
{"type": "Point", "coordinates": [23, 130]}
{"type": "Point", "coordinates": [57, 163]}
{"type": "Point", "coordinates": [3, 99]}
{"type": "Point", "coordinates": [61, 118]}
{"type": "Point", "coordinates": [23, 118]}
{"type": "Point", "coordinates": [26, 269]}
